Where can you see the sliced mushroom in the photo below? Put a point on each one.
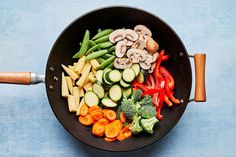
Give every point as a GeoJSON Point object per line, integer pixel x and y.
{"type": "Point", "coordinates": [139, 44]}
{"type": "Point", "coordinates": [128, 42]}
{"type": "Point", "coordinates": [136, 55]}
{"type": "Point", "coordinates": [131, 35]}
{"type": "Point", "coordinates": [152, 46]}
{"type": "Point", "coordinates": [141, 29]}
{"type": "Point", "coordinates": [122, 63]}
{"type": "Point", "coordinates": [117, 35]}
{"type": "Point", "coordinates": [152, 67]}
{"type": "Point", "coordinates": [120, 49]}
{"type": "Point", "coordinates": [144, 38]}
{"type": "Point", "coordinates": [145, 65]}
{"type": "Point", "coordinates": [149, 58]}
{"type": "Point", "coordinates": [155, 56]}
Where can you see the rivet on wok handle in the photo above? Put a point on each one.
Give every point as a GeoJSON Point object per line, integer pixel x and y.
{"type": "Point", "coordinates": [200, 88]}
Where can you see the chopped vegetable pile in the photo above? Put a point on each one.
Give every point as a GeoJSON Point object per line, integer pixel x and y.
{"type": "Point", "coordinates": [118, 85]}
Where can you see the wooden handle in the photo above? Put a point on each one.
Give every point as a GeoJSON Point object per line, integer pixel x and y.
{"type": "Point", "coordinates": [200, 91]}
{"type": "Point", "coordinates": [15, 77]}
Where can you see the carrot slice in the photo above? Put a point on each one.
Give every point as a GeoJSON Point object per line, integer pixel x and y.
{"type": "Point", "coordinates": [121, 136]}
{"type": "Point", "coordinates": [92, 108]}
{"type": "Point", "coordinates": [110, 115]}
{"type": "Point", "coordinates": [122, 117]}
{"type": "Point", "coordinates": [98, 129]}
{"type": "Point", "coordinates": [97, 114]}
{"type": "Point", "coordinates": [84, 110]}
{"type": "Point", "coordinates": [127, 134]}
{"type": "Point", "coordinates": [109, 139]}
{"type": "Point", "coordinates": [126, 128]}
{"type": "Point", "coordinates": [118, 124]}
{"type": "Point", "coordinates": [112, 131]}
{"type": "Point", "coordinates": [86, 120]}
{"type": "Point", "coordinates": [103, 121]}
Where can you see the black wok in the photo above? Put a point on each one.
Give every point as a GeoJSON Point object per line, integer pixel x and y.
{"type": "Point", "coordinates": [117, 17]}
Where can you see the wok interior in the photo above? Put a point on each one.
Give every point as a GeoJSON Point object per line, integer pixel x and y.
{"type": "Point", "coordinates": [67, 45]}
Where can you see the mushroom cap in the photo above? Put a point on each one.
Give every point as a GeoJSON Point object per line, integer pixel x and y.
{"type": "Point", "coordinates": [128, 42]}
{"type": "Point", "coordinates": [136, 55]}
{"type": "Point", "coordinates": [131, 35]}
{"type": "Point", "coordinates": [152, 67]}
{"type": "Point", "coordinates": [155, 56]}
{"type": "Point", "coordinates": [117, 35]}
{"type": "Point", "coordinates": [151, 46]}
{"type": "Point", "coordinates": [120, 49]}
{"type": "Point", "coordinates": [139, 44]}
{"type": "Point", "coordinates": [141, 29]}
{"type": "Point", "coordinates": [145, 65]}
{"type": "Point", "coordinates": [122, 63]}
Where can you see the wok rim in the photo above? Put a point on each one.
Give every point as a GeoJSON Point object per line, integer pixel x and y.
{"type": "Point", "coordinates": [143, 145]}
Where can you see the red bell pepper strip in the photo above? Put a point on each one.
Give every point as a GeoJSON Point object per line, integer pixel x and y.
{"type": "Point", "coordinates": [147, 83]}
{"type": "Point", "coordinates": [150, 92]}
{"type": "Point", "coordinates": [168, 76]}
{"type": "Point", "coordinates": [161, 98]}
{"type": "Point", "coordinates": [170, 95]}
{"type": "Point", "coordinates": [167, 101]}
{"type": "Point", "coordinates": [156, 72]}
{"type": "Point", "coordinates": [140, 85]}
{"type": "Point", "coordinates": [165, 57]}
{"type": "Point", "coordinates": [152, 81]}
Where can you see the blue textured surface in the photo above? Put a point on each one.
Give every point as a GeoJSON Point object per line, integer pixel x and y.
{"type": "Point", "coordinates": [28, 30]}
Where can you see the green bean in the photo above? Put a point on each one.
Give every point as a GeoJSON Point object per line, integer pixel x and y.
{"type": "Point", "coordinates": [100, 60]}
{"type": "Point", "coordinates": [95, 54]}
{"type": "Point", "coordinates": [84, 45]}
{"type": "Point", "coordinates": [106, 56]}
{"type": "Point", "coordinates": [111, 66]}
{"type": "Point", "coordinates": [102, 39]}
{"type": "Point", "coordinates": [111, 49]}
{"type": "Point", "coordinates": [95, 47]}
{"type": "Point", "coordinates": [107, 62]}
{"type": "Point", "coordinates": [102, 33]}
{"type": "Point", "coordinates": [99, 30]}
{"type": "Point", "coordinates": [105, 45]}
{"type": "Point", "coordinates": [91, 43]}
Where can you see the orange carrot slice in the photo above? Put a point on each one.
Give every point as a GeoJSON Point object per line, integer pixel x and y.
{"type": "Point", "coordinates": [96, 115]}
{"type": "Point", "coordinates": [112, 131]}
{"type": "Point", "coordinates": [127, 134]}
{"type": "Point", "coordinates": [92, 108]}
{"type": "Point", "coordinates": [84, 110]}
{"type": "Point", "coordinates": [103, 121]}
{"type": "Point", "coordinates": [109, 139]}
{"type": "Point", "coordinates": [86, 120]}
{"type": "Point", "coordinates": [118, 124]}
{"type": "Point", "coordinates": [110, 115]}
{"type": "Point", "coordinates": [122, 117]}
{"type": "Point", "coordinates": [98, 129]}
{"type": "Point", "coordinates": [121, 136]}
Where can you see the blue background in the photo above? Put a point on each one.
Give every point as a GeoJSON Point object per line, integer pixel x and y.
{"type": "Point", "coordinates": [28, 30]}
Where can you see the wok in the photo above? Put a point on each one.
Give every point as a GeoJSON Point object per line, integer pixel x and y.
{"type": "Point", "coordinates": [117, 17]}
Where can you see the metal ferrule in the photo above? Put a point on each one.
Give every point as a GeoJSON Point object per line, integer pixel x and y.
{"type": "Point", "coordinates": [35, 78]}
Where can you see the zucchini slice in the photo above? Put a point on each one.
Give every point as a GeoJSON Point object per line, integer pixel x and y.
{"type": "Point", "coordinates": [114, 76]}
{"type": "Point", "coordinates": [115, 93]}
{"type": "Point", "coordinates": [124, 84]}
{"type": "Point", "coordinates": [128, 75]}
{"type": "Point", "coordinates": [127, 92]}
{"type": "Point", "coordinates": [99, 90]}
{"type": "Point", "coordinates": [105, 76]}
{"type": "Point", "coordinates": [108, 102]}
{"type": "Point", "coordinates": [91, 99]}
{"type": "Point", "coordinates": [136, 68]}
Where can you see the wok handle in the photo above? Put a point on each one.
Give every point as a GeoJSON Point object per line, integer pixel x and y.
{"type": "Point", "coordinates": [24, 78]}
{"type": "Point", "coordinates": [200, 88]}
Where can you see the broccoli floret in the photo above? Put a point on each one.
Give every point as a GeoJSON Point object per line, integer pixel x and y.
{"type": "Point", "coordinates": [135, 126]}
{"type": "Point", "coordinates": [129, 108]}
{"type": "Point", "coordinates": [147, 111]}
{"type": "Point", "coordinates": [147, 100]}
{"type": "Point", "coordinates": [136, 96]}
{"type": "Point", "coordinates": [148, 124]}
